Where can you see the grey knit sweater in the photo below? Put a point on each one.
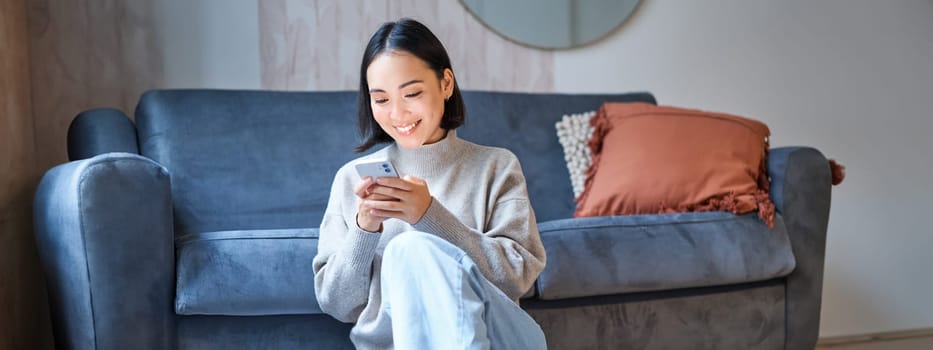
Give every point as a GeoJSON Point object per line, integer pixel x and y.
{"type": "Point", "coordinates": [480, 204]}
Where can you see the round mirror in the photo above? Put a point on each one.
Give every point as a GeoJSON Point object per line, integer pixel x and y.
{"type": "Point", "coordinates": [552, 24]}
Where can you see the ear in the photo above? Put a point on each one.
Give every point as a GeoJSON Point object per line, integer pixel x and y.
{"type": "Point", "coordinates": [447, 83]}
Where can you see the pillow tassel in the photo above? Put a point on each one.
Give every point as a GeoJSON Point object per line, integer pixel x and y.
{"type": "Point", "coordinates": [838, 172]}
{"type": "Point", "coordinates": [765, 207]}
{"type": "Point", "coordinates": [763, 195]}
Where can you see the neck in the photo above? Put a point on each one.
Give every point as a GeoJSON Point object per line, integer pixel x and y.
{"type": "Point", "coordinates": [427, 160]}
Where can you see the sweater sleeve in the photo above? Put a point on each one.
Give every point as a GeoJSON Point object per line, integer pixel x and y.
{"type": "Point", "coordinates": [508, 250]}
{"type": "Point", "coordinates": [343, 264]}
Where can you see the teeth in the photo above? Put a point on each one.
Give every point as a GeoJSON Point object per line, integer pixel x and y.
{"type": "Point", "coordinates": [406, 128]}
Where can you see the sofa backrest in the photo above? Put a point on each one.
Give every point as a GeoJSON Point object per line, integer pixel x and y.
{"type": "Point", "coordinates": [266, 159]}
{"type": "Point", "coordinates": [525, 124]}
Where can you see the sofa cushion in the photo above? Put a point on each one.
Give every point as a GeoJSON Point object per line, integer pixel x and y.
{"type": "Point", "coordinates": [621, 254]}
{"type": "Point", "coordinates": [254, 272]}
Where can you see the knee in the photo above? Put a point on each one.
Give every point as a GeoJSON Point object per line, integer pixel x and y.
{"type": "Point", "coordinates": [414, 249]}
{"type": "Point", "coordinates": [408, 245]}
{"type": "Point", "coordinates": [405, 253]}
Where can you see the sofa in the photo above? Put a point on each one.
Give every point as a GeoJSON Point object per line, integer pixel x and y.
{"type": "Point", "coordinates": [194, 224]}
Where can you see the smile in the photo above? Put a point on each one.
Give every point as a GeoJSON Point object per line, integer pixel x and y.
{"type": "Point", "coordinates": [404, 129]}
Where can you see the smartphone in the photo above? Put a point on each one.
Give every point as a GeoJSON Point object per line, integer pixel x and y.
{"type": "Point", "coordinates": [376, 168]}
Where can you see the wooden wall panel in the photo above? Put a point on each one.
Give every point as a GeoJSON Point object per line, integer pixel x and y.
{"type": "Point", "coordinates": [87, 54]}
{"type": "Point", "coordinates": [24, 316]}
{"type": "Point", "coordinates": [16, 139]}
{"type": "Point", "coordinates": [317, 45]}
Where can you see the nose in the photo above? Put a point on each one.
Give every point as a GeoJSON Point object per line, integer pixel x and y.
{"type": "Point", "coordinates": [399, 110]}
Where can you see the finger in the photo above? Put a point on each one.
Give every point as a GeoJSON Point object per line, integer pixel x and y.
{"type": "Point", "coordinates": [383, 205]}
{"type": "Point", "coordinates": [369, 211]}
{"type": "Point", "coordinates": [379, 197]}
{"type": "Point", "coordinates": [386, 214]}
{"type": "Point", "coordinates": [362, 189]}
{"type": "Point", "coordinates": [395, 182]}
{"type": "Point", "coordinates": [388, 192]}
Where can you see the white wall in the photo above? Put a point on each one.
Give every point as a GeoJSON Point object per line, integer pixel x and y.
{"type": "Point", "coordinates": [853, 78]}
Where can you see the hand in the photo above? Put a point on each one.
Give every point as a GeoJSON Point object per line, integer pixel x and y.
{"type": "Point", "coordinates": [409, 199]}
{"type": "Point", "coordinates": [364, 218]}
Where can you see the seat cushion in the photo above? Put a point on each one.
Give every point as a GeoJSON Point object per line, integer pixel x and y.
{"type": "Point", "coordinates": [621, 254]}
{"type": "Point", "coordinates": [253, 272]}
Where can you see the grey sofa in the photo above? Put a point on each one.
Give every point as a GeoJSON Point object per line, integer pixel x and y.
{"type": "Point", "coordinates": [195, 227]}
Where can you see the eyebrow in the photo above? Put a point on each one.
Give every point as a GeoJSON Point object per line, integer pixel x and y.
{"type": "Point", "coordinates": [400, 86]}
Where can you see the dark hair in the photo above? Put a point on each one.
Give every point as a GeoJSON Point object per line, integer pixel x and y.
{"type": "Point", "coordinates": [413, 37]}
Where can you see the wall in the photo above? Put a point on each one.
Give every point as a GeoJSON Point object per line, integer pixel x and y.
{"type": "Point", "coordinates": [850, 77]}
{"type": "Point", "coordinates": [24, 320]}
{"type": "Point", "coordinates": [87, 54]}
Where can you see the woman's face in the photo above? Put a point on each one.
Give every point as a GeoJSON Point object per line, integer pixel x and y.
{"type": "Point", "coordinates": [407, 98]}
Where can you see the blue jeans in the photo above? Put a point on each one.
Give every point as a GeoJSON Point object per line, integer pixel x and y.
{"type": "Point", "coordinates": [437, 298]}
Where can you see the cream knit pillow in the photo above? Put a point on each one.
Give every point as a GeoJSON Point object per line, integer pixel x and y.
{"type": "Point", "coordinates": [573, 133]}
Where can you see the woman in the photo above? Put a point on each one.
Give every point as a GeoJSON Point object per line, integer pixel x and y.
{"type": "Point", "coordinates": [436, 259]}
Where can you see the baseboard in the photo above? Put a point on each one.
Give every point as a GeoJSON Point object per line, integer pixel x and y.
{"type": "Point", "coordinates": [875, 337]}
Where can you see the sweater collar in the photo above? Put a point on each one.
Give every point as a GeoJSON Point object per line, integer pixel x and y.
{"type": "Point", "coordinates": [427, 160]}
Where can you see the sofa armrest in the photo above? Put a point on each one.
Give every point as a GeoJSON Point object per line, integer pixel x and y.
{"type": "Point", "coordinates": [104, 231]}
{"type": "Point", "coordinates": [100, 131]}
{"type": "Point", "coordinates": [800, 189]}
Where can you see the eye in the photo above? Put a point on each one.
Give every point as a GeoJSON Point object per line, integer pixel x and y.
{"type": "Point", "coordinates": [416, 94]}
{"type": "Point", "coordinates": [380, 101]}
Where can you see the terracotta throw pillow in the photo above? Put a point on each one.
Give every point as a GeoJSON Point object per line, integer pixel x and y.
{"type": "Point", "coordinates": [651, 159]}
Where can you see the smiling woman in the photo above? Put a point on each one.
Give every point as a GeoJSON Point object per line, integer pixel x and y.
{"type": "Point", "coordinates": [552, 24]}
{"type": "Point", "coordinates": [436, 259]}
